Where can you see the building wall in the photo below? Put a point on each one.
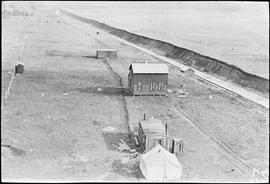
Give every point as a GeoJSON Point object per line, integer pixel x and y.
{"type": "Point", "coordinates": [146, 80]}
{"type": "Point", "coordinates": [131, 82]}
{"type": "Point", "coordinates": [112, 54]}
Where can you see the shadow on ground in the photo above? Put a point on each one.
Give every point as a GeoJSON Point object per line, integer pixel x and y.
{"type": "Point", "coordinates": [66, 54]}
{"type": "Point", "coordinates": [95, 57]}
{"type": "Point", "coordinates": [105, 90]}
{"type": "Point", "coordinates": [130, 169]}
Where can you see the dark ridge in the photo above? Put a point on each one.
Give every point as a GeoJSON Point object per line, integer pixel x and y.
{"type": "Point", "coordinates": [185, 56]}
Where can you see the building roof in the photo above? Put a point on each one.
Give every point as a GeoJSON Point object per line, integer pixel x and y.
{"type": "Point", "coordinates": [149, 68]}
{"type": "Point", "coordinates": [19, 63]}
{"type": "Point", "coordinates": [152, 127]}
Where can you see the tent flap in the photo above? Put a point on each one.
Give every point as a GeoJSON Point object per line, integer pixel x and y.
{"type": "Point", "coordinates": [159, 164]}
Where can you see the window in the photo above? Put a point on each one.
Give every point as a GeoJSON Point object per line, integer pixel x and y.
{"type": "Point", "coordinates": [139, 86]}
{"type": "Point", "coordinates": [152, 86]}
{"type": "Point", "coordinates": [160, 86]}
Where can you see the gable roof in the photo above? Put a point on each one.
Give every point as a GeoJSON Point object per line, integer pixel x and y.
{"type": "Point", "coordinates": [149, 68]}
{"type": "Point", "coordinates": [152, 127]}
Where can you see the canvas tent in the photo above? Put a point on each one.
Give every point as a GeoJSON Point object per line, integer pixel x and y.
{"type": "Point", "coordinates": [159, 164]}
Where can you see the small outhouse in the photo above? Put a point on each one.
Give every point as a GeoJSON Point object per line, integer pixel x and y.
{"type": "Point", "coordinates": [104, 53]}
{"type": "Point", "coordinates": [148, 79]}
{"type": "Point", "coordinates": [19, 68]}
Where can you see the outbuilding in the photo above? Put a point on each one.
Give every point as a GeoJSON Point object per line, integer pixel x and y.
{"type": "Point", "coordinates": [104, 53]}
{"type": "Point", "coordinates": [148, 79]}
{"type": "Point", "coordinates": [19, 68]}
{"type": "Point", "coordinates": [152, 132]}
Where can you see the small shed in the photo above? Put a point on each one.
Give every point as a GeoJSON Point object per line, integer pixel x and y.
{"type": "Point", "coordinates": [104, 53]}
{"type": "Point", "coordinates": [148, 78]}
{"type": "Point", "coordinates": [152, 132]}
{"type": "Point", "coordinates": [19, 68]}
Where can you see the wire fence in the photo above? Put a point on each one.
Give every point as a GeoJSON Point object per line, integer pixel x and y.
{"type": "Point", "coordinates": [13, 74]}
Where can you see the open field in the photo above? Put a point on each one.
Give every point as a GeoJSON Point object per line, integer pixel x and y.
{"type": "Point", "coordinates": [55, 113]}
{"type": "Point", "coordinates": [220, 73]}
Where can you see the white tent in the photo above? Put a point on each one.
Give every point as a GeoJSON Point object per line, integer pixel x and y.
{"type": "Point", "coordinates": [159, 164]}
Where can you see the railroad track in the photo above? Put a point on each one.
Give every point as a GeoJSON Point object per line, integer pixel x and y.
{"type": "Point", "coordinates": [206, 77]}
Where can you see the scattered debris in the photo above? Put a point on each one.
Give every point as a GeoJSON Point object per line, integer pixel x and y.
{"type": "Point", "coordinates": [181, 93]}
{"type": "Point", "coordinates": [123, 146]}
{"type": "Point", "coordinates": [136, 141]}
{"type": "Point", "coordinates": [116, 147]}
{"type": "Point", "coordinates": [108, 129]}
{"type": "Point", "coordinates": [100, 89]}
{"type": "Point", "coordinates": [68, 93]}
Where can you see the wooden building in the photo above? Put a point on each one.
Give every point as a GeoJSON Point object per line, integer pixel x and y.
{"type": "Point", "coordinates": [19, 68]}
{"type": "Point", "coordinates": [148, 79]}
{"type": "Point", "coordinates": [104, 53]}
{"type": "Point", "coordinates": [153, 132]}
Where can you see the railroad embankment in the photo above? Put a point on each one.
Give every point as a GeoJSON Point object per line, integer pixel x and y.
{"type": "Point", "coordinates": [185, 56]}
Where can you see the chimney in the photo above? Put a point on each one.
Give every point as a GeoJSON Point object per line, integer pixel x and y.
{"type": "Point", "coordinates": [144, 116]}
{"type": "Point", "coordinates": [166, 129]}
